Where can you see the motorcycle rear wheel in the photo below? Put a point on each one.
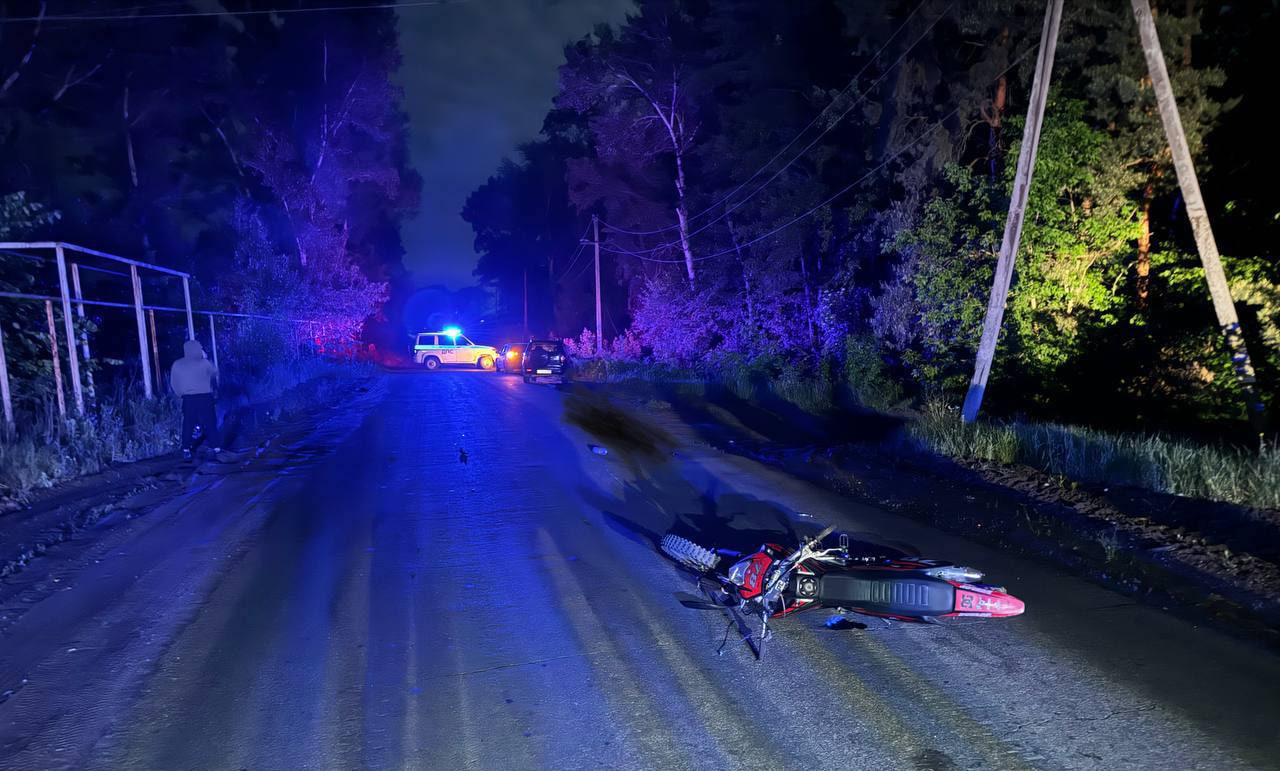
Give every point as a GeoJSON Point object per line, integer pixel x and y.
{"type": "Point", "coordinates": [688, 553]}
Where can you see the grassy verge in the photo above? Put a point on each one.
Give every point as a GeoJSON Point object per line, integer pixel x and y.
{"type": "Point", "coordinates": [123, 427]}
{"type": "Point", "coordinates": [120, 428]}
{"type": "Point", "coordinates": [1148, 461]}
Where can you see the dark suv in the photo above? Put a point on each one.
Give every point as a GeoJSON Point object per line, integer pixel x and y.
{"type": "Point", "coordinates": [544, 359]}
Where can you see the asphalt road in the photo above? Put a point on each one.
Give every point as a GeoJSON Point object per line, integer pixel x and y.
{"type": "Point", "coordinates": [442, 575]}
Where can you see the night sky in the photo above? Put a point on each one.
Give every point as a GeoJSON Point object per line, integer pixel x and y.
{"type": "Point", "coordinates": [478, 80]}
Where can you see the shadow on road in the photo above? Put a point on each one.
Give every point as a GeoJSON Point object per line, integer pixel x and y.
{"type": "Point", "coordinates": [661, 498]}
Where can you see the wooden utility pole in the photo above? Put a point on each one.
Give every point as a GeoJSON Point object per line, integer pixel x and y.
{"type": "Point", "coordinates": [1017, 210]}
{"type": "Point", "coordinates": [5, 399]}
{"type": "Point", "coordinates": [1206, 245]}
{"type": "Point", "coordinates": [526, 303]}
{"type": "Point", "coordinates": [595, 237]}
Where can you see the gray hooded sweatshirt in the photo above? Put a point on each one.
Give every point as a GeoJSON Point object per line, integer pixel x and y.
{"type": "Point", "coordinates": [193, 373]}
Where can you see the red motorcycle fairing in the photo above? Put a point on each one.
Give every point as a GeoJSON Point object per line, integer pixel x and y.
{"type": "Point", "coordinates": [752, 582]}
{"type": "Point", "coordinates": [983, 602]}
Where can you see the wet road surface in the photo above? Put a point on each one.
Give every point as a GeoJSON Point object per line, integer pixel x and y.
{"type": "Point", "coordinates": [444, 576]}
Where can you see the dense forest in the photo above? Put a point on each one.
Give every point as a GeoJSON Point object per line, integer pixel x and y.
{"type": "Point", "coordinates": [820, 186]}
{"type": "Point", "coordinates": [263, 152]}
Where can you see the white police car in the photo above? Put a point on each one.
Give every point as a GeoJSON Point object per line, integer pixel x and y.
{"type": "Point", "coordinates": [450, 346]}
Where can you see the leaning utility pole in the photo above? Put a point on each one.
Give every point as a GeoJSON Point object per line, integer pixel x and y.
{"type": "Point", "coordinates": [595, 237]}
{"type": "Point", "coordinates": [1017, 210]}
{"type": "Point", "coordinates": [1223, 306]}
{"type": "Point", "coordinates": [5, 401]}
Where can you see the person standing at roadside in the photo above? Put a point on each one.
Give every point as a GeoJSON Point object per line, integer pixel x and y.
{"type": "Point", "coordinates": [193, 377]}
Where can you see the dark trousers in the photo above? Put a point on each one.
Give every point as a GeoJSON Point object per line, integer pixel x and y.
{"type": "Point", "coordinates": [197, 410]}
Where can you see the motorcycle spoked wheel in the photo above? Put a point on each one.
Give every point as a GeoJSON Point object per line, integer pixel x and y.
{"type": "Point", "coordinates": [688, 553]}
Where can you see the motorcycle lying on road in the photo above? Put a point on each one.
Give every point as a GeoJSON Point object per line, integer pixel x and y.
{"type": "Point", "coordinates": [775, 581]}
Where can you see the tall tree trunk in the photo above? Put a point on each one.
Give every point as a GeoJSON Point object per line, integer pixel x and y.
{"type": "Point", "coordinates": [682, 217]}
{"type": "Point", "coordinates": [995, 118]}
{"type": "Point", "coordinates": [128, 139]}
{"type": "Point", "coordinates": [746, 277]}
{"type": "Point", "coordinates": [297, 234]}
{"type": "Point", "coordinates": [673, 120]}
{"type": "Point", "coordinates": [808, 304]}
{"type": "Point", "coordinates": [35, 37]}
{"type": "Point", "coordinates": [1144, 246]}
{"type": "Point", "coordinates": [1186, 39]}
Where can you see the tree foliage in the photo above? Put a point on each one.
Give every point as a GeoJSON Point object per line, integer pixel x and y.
{"type": "Point", "coordinates": [265, 154]}
{"type": "Point", "coordinates": [846, 174]}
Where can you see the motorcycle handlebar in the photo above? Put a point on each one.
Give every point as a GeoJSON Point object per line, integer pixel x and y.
{"type": "Point", "coordinates": [828, 531]}
{"type": "Point", "coordinates": [783, 568]}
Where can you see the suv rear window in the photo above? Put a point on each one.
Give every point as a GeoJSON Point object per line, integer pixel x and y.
{"type": "Point", "coordinates": [546, 345]}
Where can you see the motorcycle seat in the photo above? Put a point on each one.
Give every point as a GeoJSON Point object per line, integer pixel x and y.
{"type": "Point", "coordinates": [885, 592]}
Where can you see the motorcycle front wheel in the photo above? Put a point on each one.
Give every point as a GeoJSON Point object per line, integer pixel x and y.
{"type": "Point", "coordinates": [688, 553]}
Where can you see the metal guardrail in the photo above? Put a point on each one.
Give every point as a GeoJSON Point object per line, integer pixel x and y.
{"type": "Point", "coordinates": [70, 292]}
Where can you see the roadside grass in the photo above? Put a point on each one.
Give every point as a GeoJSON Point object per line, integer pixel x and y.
{"type": "Point", "coordinates": [1148, 461]}
{"type": "Point", "coordinates": [46, 450]}
{"type": "Point", "coordinates": [122, 426]}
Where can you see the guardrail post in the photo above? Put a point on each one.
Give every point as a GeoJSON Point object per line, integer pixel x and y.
{"type": "Point", "coordinates": [57, 363]}
{"type": "Point", "coordinates": [4, 386]}
{"type": "Point", "coordinates": [142, 330]}
{"type": "Point", "coordinates": [70, 325]}
{"type": "Point", "coordinates": [213, 341]}
{"type": "Point", "coordinates": [84, 336]}
{"type": "Point", "coordinates": [186, 297]}
{"type": "Point", "coordinates": [155, 351]}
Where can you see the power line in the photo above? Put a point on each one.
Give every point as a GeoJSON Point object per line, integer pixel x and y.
{"type": "Point", "coordinates": [574, 259]}
{"type": "Point", "coordinates": [585, 266]}
{"type": "Point", "coordinates": [811, 211]}
{"type": "Point", "coordinates": [609, 313]}
{"type": "Point", "coordinates": [852, 82]}
{"type": "Point", "coordinates": [252, 12]}
{"type": "Point", "coordinates": [938, 124]}
{"type": "Point", "coordinates": [738, 204]}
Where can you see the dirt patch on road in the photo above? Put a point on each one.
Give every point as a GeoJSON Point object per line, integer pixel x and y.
{"type": "Point", "coordinates": [634, 440]}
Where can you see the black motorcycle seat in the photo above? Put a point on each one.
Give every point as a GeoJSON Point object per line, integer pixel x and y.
{"type": "Point", "coordinates": [886, 592]}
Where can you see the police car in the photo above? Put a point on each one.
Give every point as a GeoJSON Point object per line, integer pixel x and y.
{"type": "Point", "coordinates": [450, 346]}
